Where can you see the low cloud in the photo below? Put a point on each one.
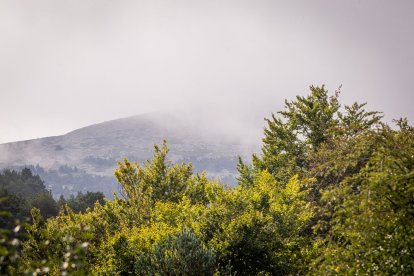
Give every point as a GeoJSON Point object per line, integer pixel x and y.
{"type": "Point", "coordinates": [67, 64]}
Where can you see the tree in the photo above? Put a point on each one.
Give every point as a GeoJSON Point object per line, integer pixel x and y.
{"type": "Point", "coordinates": [306, 125]}
{"type": "Point", "coordinates": [179, 254]}
{"type": "Point", "coordinates": [373, 220]}
{"type": "Point", "coordinates": [258, 228]}
{"type": "Point", "coordinates": [22, 191]}
{"type": "Point", "coordinates": [82, 202]}
{"type": "Point", "coordinates": [157, 180]}
{"type": "Point", "coordinates": [23, 183]}
{"type": "Point", "coordinates": [14, 208]}
{"type": "Point", "coordinates": [302, 127]}
{"type": "Point", "coordinates": [45, 203]}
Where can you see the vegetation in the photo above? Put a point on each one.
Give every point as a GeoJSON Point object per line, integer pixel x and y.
{"type": "Point", "coordinates": [82, 202]}
{"type": "Point", "coordinates": [74, 180]}
{"type": "Point", "coordinates": [332, 192]}
{"type": "Point", "coordinates": [22, 191]}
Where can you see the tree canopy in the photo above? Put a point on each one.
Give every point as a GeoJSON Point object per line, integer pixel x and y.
{"type": "Point", "coordinates": [332, 193]}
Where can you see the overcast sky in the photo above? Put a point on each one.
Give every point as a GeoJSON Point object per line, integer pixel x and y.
{"type": "Point", "coordinates": [68, 64]}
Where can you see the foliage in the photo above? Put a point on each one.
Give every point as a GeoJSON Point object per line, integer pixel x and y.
{"type": "Point", "coordinates": [14, 208]}
{"type": "Point", "coordinates": [157, 180]}
{"type": "Point", "coordinates": [9, 243]}
{"type": "Point", "coordinates": [82, 201]}
{"type": "Point", "coordinates": [373, 223]}
{"type": "Point", "coordinates": [53, 250]}
{"type": "Point", "coordinates": [45, 203]}
{"type": "Point", "coordinates": [162, 225]}
{"type": "Point", "coordinates": [301, 128]}
{"type": "Point", "coordinates": [257, 228]}
{"type": "Point", "coordinates": [23, 183]}
{"type": "Point", "coordinates": [22, 191]}
{"type": "Point", "coordinates": [179, 254]}
{"type": "Point", "coordinates": [330, 193]}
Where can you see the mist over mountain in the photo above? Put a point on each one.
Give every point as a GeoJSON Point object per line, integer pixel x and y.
{"type": "Point", "coordinates": [84, 159]}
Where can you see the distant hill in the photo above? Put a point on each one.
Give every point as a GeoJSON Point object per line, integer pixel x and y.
{"type": "Point", "coordinates": [84, 159]}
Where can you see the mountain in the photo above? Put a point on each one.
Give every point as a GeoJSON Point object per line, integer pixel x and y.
{"type": "Point", "coordinates": [84, 159]}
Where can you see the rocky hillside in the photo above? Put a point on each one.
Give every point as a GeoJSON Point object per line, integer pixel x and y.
{"type": "Point", "coordinates": [84, 159]}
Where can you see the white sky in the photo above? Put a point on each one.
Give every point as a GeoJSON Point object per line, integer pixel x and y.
{"type": "Point", "coordinates": [68, 64]}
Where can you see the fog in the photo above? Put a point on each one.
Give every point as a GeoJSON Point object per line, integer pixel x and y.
{"type": "Point", "coordinates": [68, 64]}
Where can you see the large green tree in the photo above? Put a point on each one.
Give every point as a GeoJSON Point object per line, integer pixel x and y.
{"type": "Point", "coordinates": [372, 226]}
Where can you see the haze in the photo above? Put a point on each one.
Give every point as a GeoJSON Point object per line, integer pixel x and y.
{"type": "Point", "coordinates": [68, 64]}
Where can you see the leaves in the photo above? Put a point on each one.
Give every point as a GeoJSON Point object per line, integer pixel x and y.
{"type": "Point", "coordinates": [331, 193]}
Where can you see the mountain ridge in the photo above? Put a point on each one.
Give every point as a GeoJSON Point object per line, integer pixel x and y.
{"type": "Point", "coordinates": [91, 152]}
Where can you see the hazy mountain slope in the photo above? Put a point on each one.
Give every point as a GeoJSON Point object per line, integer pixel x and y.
{"type": "Point", "coordinates": [84, 159]}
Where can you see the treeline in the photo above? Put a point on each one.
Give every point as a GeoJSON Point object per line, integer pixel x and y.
{"type": "Point", "coordinates": [331, 193]}
{"type": "Point", "coordinates": [74, 179]}
{"type": "Point", "coordinates": [21, 191]}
